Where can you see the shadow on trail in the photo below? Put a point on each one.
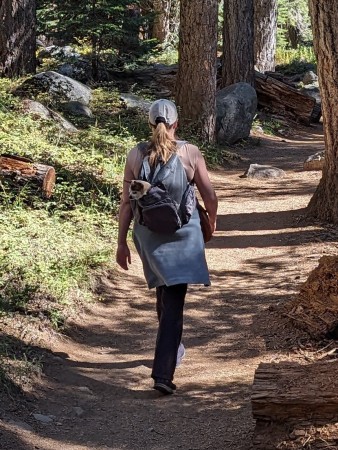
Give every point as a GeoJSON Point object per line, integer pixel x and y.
{"type": "Point", "coordinates": [10, 439]}
{"type": "Point", "coordinates": [308, 141]}
{"type": "Point", "coordinates": [259, 221]}
{"type": "Point", "coordinates": [120, 410]}
{"type": "Point", "coordinates": [263, 190]}
{"type": "Point", "coordinates": [266, 240]}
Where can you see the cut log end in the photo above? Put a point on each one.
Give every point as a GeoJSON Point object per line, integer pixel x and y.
{"type": "Point", "coordinates": [49, 182]}
{"type": "Point", "coordinates": [23, 170]}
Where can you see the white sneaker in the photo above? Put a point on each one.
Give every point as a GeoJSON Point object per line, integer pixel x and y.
{"type": "Point", "coordinates": [180, 354]}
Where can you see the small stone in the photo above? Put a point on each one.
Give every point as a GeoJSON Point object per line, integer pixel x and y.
{"type": "Point", "coordinates": [85, 389]}
{"type": "Point", "coordinates": [42, 418]}
{"type": "Point", "coordinates": [78, 410]}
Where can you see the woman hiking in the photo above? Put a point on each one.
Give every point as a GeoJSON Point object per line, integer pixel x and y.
{"type": "Point", "coordinates": [171, 261]}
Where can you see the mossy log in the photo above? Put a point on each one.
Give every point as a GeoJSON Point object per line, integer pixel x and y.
{"type": "Point", "coordinates": [22, 169]}
{"type": "Point", "coordinates": [281, 97]}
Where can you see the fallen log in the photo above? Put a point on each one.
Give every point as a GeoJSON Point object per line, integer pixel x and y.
{"type": "Point", "coordinates": [278, 96]}
{"type": "Point", "coordinates": [288, 391]}
{"type": "Point", "coordinates": [22, 170]}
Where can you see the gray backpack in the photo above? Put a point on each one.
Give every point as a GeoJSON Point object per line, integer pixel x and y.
{"type": "Point", "coordinates": [171, 200]}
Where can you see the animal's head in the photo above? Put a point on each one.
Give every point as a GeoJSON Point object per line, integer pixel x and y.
{"type": "Point", "coordinates": [138, 189]}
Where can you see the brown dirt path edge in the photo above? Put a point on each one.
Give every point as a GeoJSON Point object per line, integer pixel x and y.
{"type": "Point", "coordinates": [96, 384]}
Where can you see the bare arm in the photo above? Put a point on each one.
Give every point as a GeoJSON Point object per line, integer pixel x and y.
{"type": "Point", "coordinates": [125, 217]}
{"type": "Point", "coordinates": [206, 190]}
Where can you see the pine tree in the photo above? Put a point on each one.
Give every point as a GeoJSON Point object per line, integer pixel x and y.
{"type": "Point", "coordinates": [17, 37]}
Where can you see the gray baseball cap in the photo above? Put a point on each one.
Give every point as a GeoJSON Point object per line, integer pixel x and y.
{"type": "Point", "coordinates": [163, 111]}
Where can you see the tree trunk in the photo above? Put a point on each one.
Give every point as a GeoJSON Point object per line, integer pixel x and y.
{"type": "Point", "coordinates": [238, 38]}
{"type": "Point", "coordinates": [196, 78]}
{"type": "Point", "coordinates": [131, 30]}
{"type": "Point", "coordinates": [265, 18]}
{"type": "Point", "coordinates": [161, 20]}
{"type": "Point", "coordinates": [17, 37]}
{"type": "Point", "coordinates": [23, 170]}
{"type": "Point", "coordinates": [293, 36]}
{"type": "Point", "coordinates": [324, 16]}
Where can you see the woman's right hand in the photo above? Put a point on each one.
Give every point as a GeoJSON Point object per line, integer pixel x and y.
{"type": "Point", "coordinates": [123, 257]}
{"type": "Point", "coordinates": [212, 223]}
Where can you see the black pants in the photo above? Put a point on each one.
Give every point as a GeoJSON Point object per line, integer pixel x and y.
{"type": "Point", "coordinates": [169, 306]}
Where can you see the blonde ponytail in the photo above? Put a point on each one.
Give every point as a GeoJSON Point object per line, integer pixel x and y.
{"type": "Point", "coordinates": [162, 145]}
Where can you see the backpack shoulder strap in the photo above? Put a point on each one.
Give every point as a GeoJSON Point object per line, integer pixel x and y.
{"type": "Point", "coordinates": [143, 148]}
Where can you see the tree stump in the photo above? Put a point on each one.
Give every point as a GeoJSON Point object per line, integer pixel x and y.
{"type": "Point", "coordinates": [23, 170]}
{"type": "Point", "coordinates": [315, 309]}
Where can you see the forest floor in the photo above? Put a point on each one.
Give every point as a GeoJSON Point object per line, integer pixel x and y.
{"type": "Point", "coordinates": [95, 390]}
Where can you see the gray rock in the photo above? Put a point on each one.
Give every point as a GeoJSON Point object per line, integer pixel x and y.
{"type": "Point", "coordinates": [42, 418]}
{"type": "Point", "coordinates": [63, 123]}
{"type": "Point", "coordinates": [313, 91]}
{"type": "Point", "coordinates": [235, 110]}
{"type": "Point", "coordinates": [260, 171]}
{"type": "Point", "coordinates": [315, 162]}
{"type": "Point", "coordinates": [133, 101]}
{"type": "Point", "coordinates": [309, 77]}
{"type": "Point", "coordinates": [78, 410]}
{"type": "Point", "coordinates": [86, 390]}
{"type": "Point", "coordinates": [58, 52]}
{"type": "Point", "coordinates": [77, 109]}
{"type": "Point", "coordinates": [57, 86]}
{"type": "Point", "coordinates": [37, 108]}
{"type": "Point", "coordinates": [79, 70]}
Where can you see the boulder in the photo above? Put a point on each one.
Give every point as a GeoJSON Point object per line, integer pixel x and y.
{"type": "Point", "coordinates": [315, 162]}
{"type": "Point", "coordinates": [259, 171]}
{"type": "Point", "coordinates": [58, 86]}
{"type": "Point", "coordinates": [133, 101]}
{"type": "Point", "coordinates": [77, 109]}
{"type": "Point", "coordinates": [235, 110]}
{"type": "Point", "coordinates": [58, 52]}
{"type": "Point", "coordinates": [313, 91]}
{"type": "Point", "coordinates": [38, 109]}
{"type": "Point", "coordinates": [309, 77]}
{"type": "Point", "coordinates": [79, 70]}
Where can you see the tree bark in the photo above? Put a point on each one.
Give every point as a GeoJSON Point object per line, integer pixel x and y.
{"type": "Point", "coordinates": [22, 169]}
{"type": "Point", "coordinates": [283, 98]}
{"type": "Point", "coordinates": [161, 20]}
{"type": "Point", "coordinates": [238, 38]}
{"type": "Point", "coordinates": [265, 34]}
{"type": "Point", "coordinates": [196, 78]}
{"type": "Point", "coordinates": [324, 17]}
{"type": "Point", "coordinates": [289, 391]}
{"type": "Point", "coordinates": [17, 37]}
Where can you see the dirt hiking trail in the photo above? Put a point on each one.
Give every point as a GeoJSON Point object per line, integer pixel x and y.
{"type": "Point", "coordinates": [96, 387]}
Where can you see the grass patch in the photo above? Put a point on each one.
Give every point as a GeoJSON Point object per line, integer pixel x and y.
{"type": "Point", "coordinates": [49, 248]}
{"type": "Point", "coordinates": [19, 364]}
{"type": "Point", "coordinates": [295, 61]}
